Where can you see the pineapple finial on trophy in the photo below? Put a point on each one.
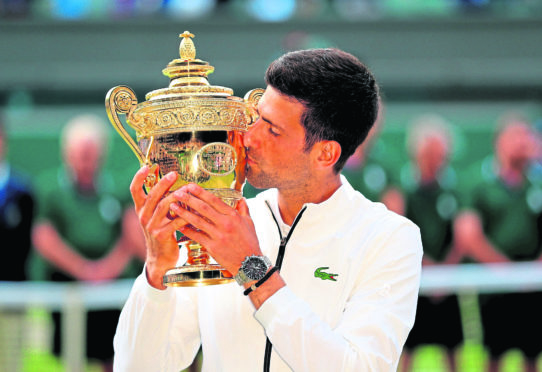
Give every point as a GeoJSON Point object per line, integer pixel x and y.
{"type": "Point", "coordinates": [187, 50]}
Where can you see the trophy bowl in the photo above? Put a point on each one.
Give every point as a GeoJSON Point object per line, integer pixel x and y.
{"type": "Point", "coordinates": [196, 130]}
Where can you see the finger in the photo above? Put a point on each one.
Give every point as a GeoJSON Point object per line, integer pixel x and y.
{"type": "Point", "coordinates": [177, 210]}
{"type": "Point", "coordinates": [208, 198]}
{"type": "Point", "coordinates": [136, 187]}
{"type": "Point", "coordinates": [156, 194]}
{"type": "Point", "coordinates": [193, 215]}
{"type": "Point", "coordinates": [164, 207]}
{"type": "Point", "coordinates": [242, 208]}
{"type": "Point", "coordinates": [196, 235]}
{"type": "Point", "coordinates": [176, 224]}
{"type": "Point", "coordinates": [196, 205]}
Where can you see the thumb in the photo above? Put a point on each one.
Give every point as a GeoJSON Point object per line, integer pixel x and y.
{"type": "Point", "coordinates": [242, 208]}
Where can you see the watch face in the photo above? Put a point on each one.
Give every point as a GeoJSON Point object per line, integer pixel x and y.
{"type": "Point", "coordinates": [255, 268]}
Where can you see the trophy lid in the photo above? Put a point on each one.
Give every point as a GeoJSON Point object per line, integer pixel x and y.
{"type": "Point", "coordinates": [188, 75]}
{"type": "Point", "coordinates": [188, 104]}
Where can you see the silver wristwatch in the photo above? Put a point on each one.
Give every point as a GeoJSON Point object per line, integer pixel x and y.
{"type": "Point", "coordinates": [253, 268]}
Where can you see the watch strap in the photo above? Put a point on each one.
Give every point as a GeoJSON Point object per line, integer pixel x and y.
{"type": "Point", "coordinates": [261, 281]}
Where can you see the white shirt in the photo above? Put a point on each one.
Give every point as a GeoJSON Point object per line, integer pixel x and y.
{"type": "Point", "coordinates": [359, 322]}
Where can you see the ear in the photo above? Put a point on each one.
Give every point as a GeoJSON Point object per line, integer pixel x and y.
{"type": "Point", "coordinates": [327, 153]}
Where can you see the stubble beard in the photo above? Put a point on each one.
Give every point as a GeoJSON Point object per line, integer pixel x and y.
{"type": "Point", "coordinates": [291, 176]}
{"type": "Point", "coordinates": [259, 180]}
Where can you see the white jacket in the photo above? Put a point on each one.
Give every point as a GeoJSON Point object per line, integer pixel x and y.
{"type": "Point", "coordinates": [359, 322]}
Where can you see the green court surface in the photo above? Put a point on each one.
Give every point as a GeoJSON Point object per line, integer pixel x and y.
{"type": "Point", "coordinates": [470, 358]}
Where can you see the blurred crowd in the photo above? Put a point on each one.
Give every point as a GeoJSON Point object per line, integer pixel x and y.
{"type": "Point", "coordinates": [78, 225]}
{"type": "Point", "coordinates": [499, 219]}
{"type": "Point", "coordinates": [75, 223]}
{"type": "Point", "coordinates": [260, 10]}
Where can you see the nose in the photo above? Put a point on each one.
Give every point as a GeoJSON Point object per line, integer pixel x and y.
{"type": "Point", "coordinates": [251, 135]}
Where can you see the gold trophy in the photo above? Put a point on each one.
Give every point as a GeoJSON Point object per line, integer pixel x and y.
{"type": "Point", "coordinates": [196, 130]}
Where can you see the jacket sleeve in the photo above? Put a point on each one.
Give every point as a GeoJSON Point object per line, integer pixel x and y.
{"type": "Point", "coordinates": [376, 320]}
{"type": "Point", "coordinates": [157, 330]}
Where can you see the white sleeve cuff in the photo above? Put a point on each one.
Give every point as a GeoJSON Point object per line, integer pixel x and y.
{"type": "Point", "coordinates": [274, 306]}
{"type": "Point", "coordinates": [155, 295]}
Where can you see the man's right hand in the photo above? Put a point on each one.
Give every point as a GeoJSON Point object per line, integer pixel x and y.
{"type": "Point", "coordinates": [152, 210]}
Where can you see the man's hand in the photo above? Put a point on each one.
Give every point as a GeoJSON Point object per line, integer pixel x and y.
{"type": "Point", "coordinates": [228, 234]}
{"type": "Point", "coordinates": [470, 240]}
{"type": "Point", "coordinates": [159, 230]}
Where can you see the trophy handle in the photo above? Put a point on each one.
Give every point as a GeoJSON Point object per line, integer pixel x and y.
{"type": "Point", "coordinates": [252, 97]}
{"type": "Point", "coordinates": [122, 100]}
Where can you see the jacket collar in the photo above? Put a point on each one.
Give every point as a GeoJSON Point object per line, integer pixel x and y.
{"type": "Point", "coordinates": [333, 210]}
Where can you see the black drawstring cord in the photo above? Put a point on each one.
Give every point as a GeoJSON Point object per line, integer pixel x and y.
{"type": "Point", "coordinates": [278, 264]}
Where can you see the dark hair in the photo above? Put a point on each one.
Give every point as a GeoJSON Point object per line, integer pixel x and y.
{"type": "Point", "coordinates": [339, 92]}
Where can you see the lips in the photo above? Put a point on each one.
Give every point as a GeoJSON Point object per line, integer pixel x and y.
{"type": "Point", "coordinates": [249, 159]}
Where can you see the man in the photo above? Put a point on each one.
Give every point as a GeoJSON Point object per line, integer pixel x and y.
{"type": "Point", "coordinates": [505, 225]}
{"type": "Point", "coordinates": [83, 231]}
{"type": "Point", "coordinates": [431, 203]}
{"type": "Point", "coordinates": [345, 296]}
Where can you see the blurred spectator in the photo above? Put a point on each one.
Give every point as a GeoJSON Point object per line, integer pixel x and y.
{"type": "Point", "coordinates": [16, 213]}
{"type": "Point", "coordinates": [505, 225]}
{"type": "Point", "coordinates": [369, 176]}
{"type": "Point", "coordinates": [84, 232]}
{"type": "Point", "coordinates": [16, 216]}
{"type": "Point", "coordinates": [431, 203]}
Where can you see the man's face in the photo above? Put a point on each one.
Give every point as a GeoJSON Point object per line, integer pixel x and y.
{"type": "Point", "coordinates": [84, 157]}
{"type": "Point", "coordinates": [516, 145]}
{"type": "Point", "coordinates": [275, 144]}
{"type": "Point", "coordinates": [432, 155]}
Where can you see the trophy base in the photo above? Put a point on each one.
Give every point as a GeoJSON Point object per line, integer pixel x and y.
{"type": "Point", "coordinates": [197, 276]}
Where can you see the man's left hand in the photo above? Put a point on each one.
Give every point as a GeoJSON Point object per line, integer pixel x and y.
{"type": "Point", "coordinates": [228, 234]}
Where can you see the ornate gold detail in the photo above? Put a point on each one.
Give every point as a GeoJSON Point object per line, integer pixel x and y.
{"type": "Point", "coordinates": [123, 101]}
{"type": "Point", "coordinates": [187, 116]}
{"type": "Point", "coordinates": [193, 114]}
{"type": "Point", "coordinates": [253, 96]}
{"type": "Point", "coordinates": [166, 119]}
{"type": "Point", "coordinates": [187, 50]}
{"type": "Point", "coordinates": [208, 116]}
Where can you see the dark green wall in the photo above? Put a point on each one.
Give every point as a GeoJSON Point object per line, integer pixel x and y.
{"type": "Point", "coordinates": [418, 56]}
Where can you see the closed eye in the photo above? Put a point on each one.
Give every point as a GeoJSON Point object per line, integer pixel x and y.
{"type": "Point", "coordinates": [273, 130]}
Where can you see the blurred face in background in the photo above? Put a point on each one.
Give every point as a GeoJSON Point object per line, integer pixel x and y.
{"type": "Point", "coordinates": [83, 157]}
{"type": "Point", "coordinates": [84, 144]}
{"type": "Point", "coordinates": [431, 157]}
{"type": "Point", "coordinates": [516, 146]}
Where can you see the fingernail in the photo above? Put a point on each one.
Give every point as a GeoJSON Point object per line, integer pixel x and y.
{"type": "Point", "coordinates": [171, 176]}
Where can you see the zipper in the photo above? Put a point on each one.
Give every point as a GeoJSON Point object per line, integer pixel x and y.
{"type": "Point", "coordinates": [282, 249]}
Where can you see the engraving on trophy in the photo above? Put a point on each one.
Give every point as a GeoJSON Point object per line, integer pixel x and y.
{"type": "Point", "coordinates": [217, 159]}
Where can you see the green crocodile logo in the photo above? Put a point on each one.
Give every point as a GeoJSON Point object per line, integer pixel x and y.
{"type": "Point", "coordinates": [318, 273]}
